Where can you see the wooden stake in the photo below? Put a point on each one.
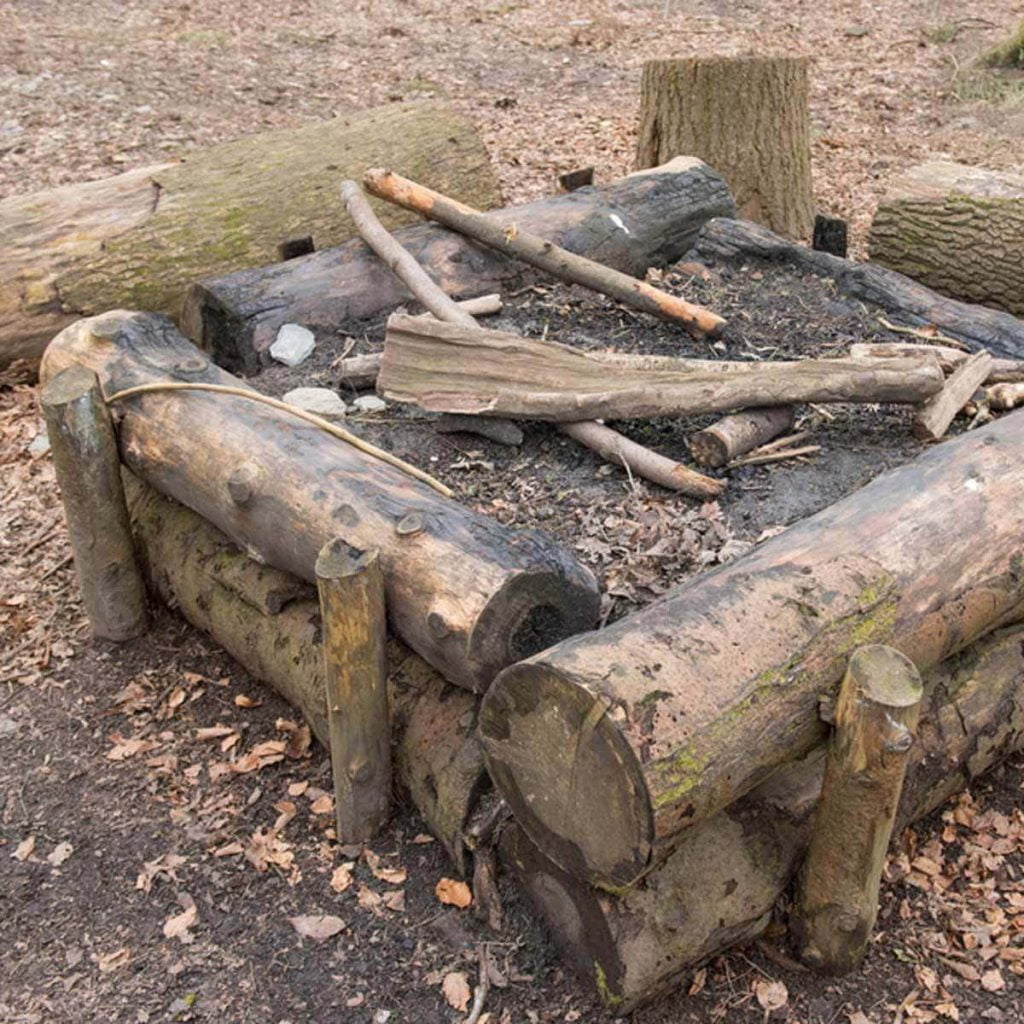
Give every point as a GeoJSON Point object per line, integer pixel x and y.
{"type": "Point", "coordinates": [875, 722]}
{"type": "Point", "coordinates": [742, 432]}
{"type": "Point", "coordinates": [351, 589]}
{"type": "Point", "coordinates": [538, 252]}
{"type": "Point", "coordinates": [933, 418]}
{"type": "Point", "coordinates": [88, 471]}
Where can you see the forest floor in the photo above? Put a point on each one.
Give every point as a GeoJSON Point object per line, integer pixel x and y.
{"type": "Point", "coordinates": [124, 894]}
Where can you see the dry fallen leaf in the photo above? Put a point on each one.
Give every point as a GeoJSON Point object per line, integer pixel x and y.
{"type": "Point", "coordinates": [992, 981]}
{"type": "Point", "coordinates": [177, 927]}
{"type": "Point", "coordinates": [60, 853]}
{"type": "Point", "coordinates": [341, 878]}
{"type": "Point", "coordinates": [24, 849]}
{"type": "Point", "coordinates": [298, 788]}
{"type": "Point", "coordinates": [393, 876]}
{"type": "Point", "coordinates": [108, 962]}
{"type": "Point", "coordinates": [453, 892]}
{"type": "Point", "coordinates": [771, 995]}
{"type": "Point", "coordinates": [395, 900]}
{"type": "Point", "coordinates": [700, 978]}
{"type": "Point", "coordinates": [369, 900]}
{"type": "Point", "coordinates": [244, 701]}
{"type": "Point", "coordinates": [317, 926]}
{"type": "Point", "coordinates": [456, 990]}
{"type": "Point", "coordinates": [214, 732]}
{"type": "Point", "coordinates": [323, 805]}
{"type": "Point", "coordinates": [857, 1017]}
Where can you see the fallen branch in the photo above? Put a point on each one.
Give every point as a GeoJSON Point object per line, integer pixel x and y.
{"type": "Point", "coordinates": [934, 417]}
{"type": "Point", "coordinates": [779, 455]}
{"type": "Point", "coordinates": [739, 433]}
{"type": "Point", "coordinates": [922, 332]}
{"type": "Point", "coordinates": [538, 252]}
{"type": "Point", "coordinates": [1003, 370]}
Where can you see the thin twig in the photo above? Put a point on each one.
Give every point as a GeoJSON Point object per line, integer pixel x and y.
{"type": "Point", "coordinates": [786, 453]}
{"type": "Point", "coordinates": [923, 334]}
{"type": "Point", "coordinates": [482, 987]}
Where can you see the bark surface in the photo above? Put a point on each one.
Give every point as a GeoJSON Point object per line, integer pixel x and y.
{"type": "Point", "coordinates": [742, 432]}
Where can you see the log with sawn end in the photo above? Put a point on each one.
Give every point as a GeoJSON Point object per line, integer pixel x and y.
{"type": "Point", "coordinates": [739, 433]}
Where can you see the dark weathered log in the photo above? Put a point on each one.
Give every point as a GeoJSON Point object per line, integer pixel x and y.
{"type": "Point", "coordinates": [500, 431]}
{"type": "Point", "coordinates": [447, 368]}
{"type": "Point", "coordinates": [957, 229]}
{"type": "Point", "coordinates": [739, 433]}
{"type": "Point", "coordinates": [292, 248]}
{"type": "Point", "coordinates": [932, 419]}
{"type": "Point", "coordinates": [875, 722]}
{"type": "Point", "coordinates": [829, 235]}
{"type": "Point", "coordinates": [465, 592]}
{"type": "Point", "coordinates": [642, 221]}
{"type": "Point", "coordinates": [187, 561]}
{"type": "Point", "coordinates": [1003, 370]}
{"type": "Point", "coordinates": [142, 238]}
{"type": "Point", "coordinates": [719, 887]}
{"type": "Point", "coordinates": [976, 326]}
{"type": "Point", "coordinates": [351, 588]}
{"type": "Point", "coordinates": [540, 251]}
{"type": "Point", "coordinates": [609, 746]}
{"type": "Point", "coordinates": [88, 473]}
{"type": "Point", "coordinates": [748, 117]}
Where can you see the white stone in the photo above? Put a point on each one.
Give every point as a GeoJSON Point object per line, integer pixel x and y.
{"type": "Point", "coordinates": [39, 445]}
{"type": "Point", "coordinates": [293, 344]}
{"type": "Point", "coordinates": [320, 401]}
{"type": "Point", "coordinates": [369, 403]}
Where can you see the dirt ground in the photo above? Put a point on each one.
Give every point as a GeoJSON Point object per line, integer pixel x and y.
{"type": "Point", "coordinates": [140, 880]}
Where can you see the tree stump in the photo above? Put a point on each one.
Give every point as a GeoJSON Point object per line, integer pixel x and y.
{"type": "Point", "coordinates": [89, 474]}
{"type": "Point", "coordinates": [875, 722]}
{"type": "Point", "coordinates": [748, 118]}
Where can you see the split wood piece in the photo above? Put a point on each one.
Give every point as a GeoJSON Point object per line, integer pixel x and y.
{"type": "Point", "coordinates": [932, 419]}
{"type": "Point", "coordinates": [957, 229]}
{"type": "Point", "coordinates": [875, 722]}
{"type": "Point", "coordinates": [642, 221]}
{"type": "Point", "coordinates": [437, 758]}
{"type": "Point", "coordinates": [1003, 397]}
{"type": "Point", "coordinates": [448, 368]}
{"type": "Point", "coordinates": [351, 589]}
{"type": "Point", "coordinates": [748, 117]}
{"type": "Point", "coordinates": [465, 592]}
{"type": "Point", "coordinates": [659, 469]}
{"type": "Point", "coordinates": [738, 241]}
{"type": "Point", "coordinates": [144, 237]}
{"type": "Point", "coordinates": [609, 746]}
{"type": "Point", "coordinates": [718, 889]}
{"type": "Point", "coordinates": [1003, 370]}
{"type": "Point", "coordinates": [88, 471]}
{"type": "Point", "coordinates": [739, 433]}
{"type": "Point", "coordinates": [497, 430]}
{"type": "Point", "coordinates": [513, 239]}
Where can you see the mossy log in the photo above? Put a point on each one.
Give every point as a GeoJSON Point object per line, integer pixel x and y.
{"type": "Point", "coordinates": [609, 746]}
{"type": "Point", "coordinates": [724, 241]}
{"type": "Point", "coordinates": [192, 566]}
{"type": "Point", "coordinates": [957, 229]}
{"type": "Point", "coordinates": [465, 592]}
{"type": "Point", "coordinates": [720, 885]}
{"type": "Point", "coordinates": [644, 220]}
{"type": "Point", "coordinates": [140, 239]}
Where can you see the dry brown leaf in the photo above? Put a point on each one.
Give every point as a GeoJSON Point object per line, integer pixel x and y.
{"type": "Point", "coordinates": [771, 995]}
{"type": "Point", "coordinates": [457, 992]}
{"type": "Point", "coordinates": [243, 700]}
{"type": "Point", "coordinates": [214, 732]}
{"type": "Point", "coordinates": [232, 849]}
{"type": "Point", "coordinates": [177, 926]}
{"type": "Point", "coordinates": [317, 926]}
{"type": "Point", "coordinates": [323, 805]}
{"type": "Point", "coordinates": [453, 892]}
{"type": "Point", "coordinates": [393, 876]}
{"type": "Point", "coordinates": [421, 839]}
{"type": "Point", "coordinates": [395, 900]}
{"type": "Point", "coordinates": [24, 849]}
{"type": "Point", "coordinates": [124, 749]}
{"type": "Point", "coordinates": [341, 877]}
{"type": "Point", "coordinates": [700, 978]}
{"type": "Point", "coordinates": [992, 981]}
{"type": "Point", "coordinates": [369, 900]}
{"type": "Point", "coordinates": [857, 1017]}
{"type": "Point", "coordinates": [163, 866]}
{"type": "Point", "coordinates": [60, 853]}
{"type": "Point", "coordinates": [298, 788]}
{"type": "Point", "coordinates": [108, 962]}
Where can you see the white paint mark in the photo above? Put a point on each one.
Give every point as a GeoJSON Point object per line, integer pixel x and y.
{"type": "Point", "coordinates": [972, 483]}
{"type": "Point", "coordinates": [617, 221]}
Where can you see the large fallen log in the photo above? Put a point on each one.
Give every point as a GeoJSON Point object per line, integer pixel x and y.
{"type": "Point", "coordinates": [1003, 370]}
{"type": "Point", "coordinates": [723, 240]}
{"type": "Point", "coordinates": [446, 367]}
{"type": "Point", "coordinates": [142, 238]}
{"type": "Point", "coordinates": [957, 229]}
{"type": "Point", "coordinates": [719, 887]}
{"type": "Point", "coordinates": [609, 746]}
{"type": "Point", "coordinates": [465, 592]}
{"type": "Point", "coordinates": [642, 221]}
{"type": "Point", "coordinates": [192, 566]}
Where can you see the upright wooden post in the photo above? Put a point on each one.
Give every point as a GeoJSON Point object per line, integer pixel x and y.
{"type": "Point", "coordinates": [875, 722]}
{"type": "Point", "coordinates": [88, 471]}
{"type": "Point", "coordinates": [351, 590]}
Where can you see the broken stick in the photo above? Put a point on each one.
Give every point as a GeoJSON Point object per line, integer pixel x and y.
{"type": "Point", "coordinates": [742, 432]}
{"type": "Point", "coordinates": [1003, 370]}
{"type": "Point", "coordinates": [933, 418]}
{"type": "Point", "coordinates": [538, 252]}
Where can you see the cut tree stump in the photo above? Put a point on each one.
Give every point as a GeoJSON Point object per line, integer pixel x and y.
{"type": "Point", "coordinates": [737, 241]}
{"type": "Point", "coordinates": [88, 471]}
{"type": "Point", "coordinates": [219, 589]}
{"type": "Point", "coordinates": [448, 368]}
{"type": "Point", "coordinates": [875, 722]}
{"type": "Point", "coordinates": [610, 746]}
{"type": "Point", "coordinates": [720, 886]}
{"type": "Point", "coordinates": [957, 229]}
{"type": "Point", "coordinates": [142, 238]}
{"type": "Point", "coordinates": [739, 433]}
{"type": "Point", "coordinates": [465, 592]}
{"type": "Point", "coordinates": [642, 221]}
{"type": "Point", "coordinates": [747, 117]}
{"type": "Point", "coordinates": [351, 588]}
{"type": "Point", "coordinates": [932, 419]}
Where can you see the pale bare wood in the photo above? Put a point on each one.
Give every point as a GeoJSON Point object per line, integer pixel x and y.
{"type": "Point", "coordinates": [779, 455]}
{"type": "Point", "coordinates": [351, 588]}
{"type": "Point", "coordinates": [1003, 370]}
{"type": "Point", "coordinates": [739, 433]}
{"type": "Point", "coordinates": [1003, 397]}
{"type": "Point", "coordinates": [448, 368]}
{"type": "Point", "coordinates": [875, 723]}
{"type": "Point", "coordinates": [513, 240]}
{"type": "Point", "coordinates": [932, 419]}
{"type": "Point", "coordinates": [88, 470]}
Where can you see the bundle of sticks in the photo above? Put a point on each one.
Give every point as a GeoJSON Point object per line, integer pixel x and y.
{"type": "Point", "coordinates": [447, 363]}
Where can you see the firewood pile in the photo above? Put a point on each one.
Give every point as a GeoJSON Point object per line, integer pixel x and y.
{"type": "Point", "coordinates": [658, 783]}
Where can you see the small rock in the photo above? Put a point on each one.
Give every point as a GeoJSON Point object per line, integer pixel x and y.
{"type": "Point", "coordinates": [39, 445]}
{"type": "Point", "coordinates": [369, 403]}
{"type": "Point", "coordinates": [320, 401]}
{"type": "Point", "coordinates": [293, 344]}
